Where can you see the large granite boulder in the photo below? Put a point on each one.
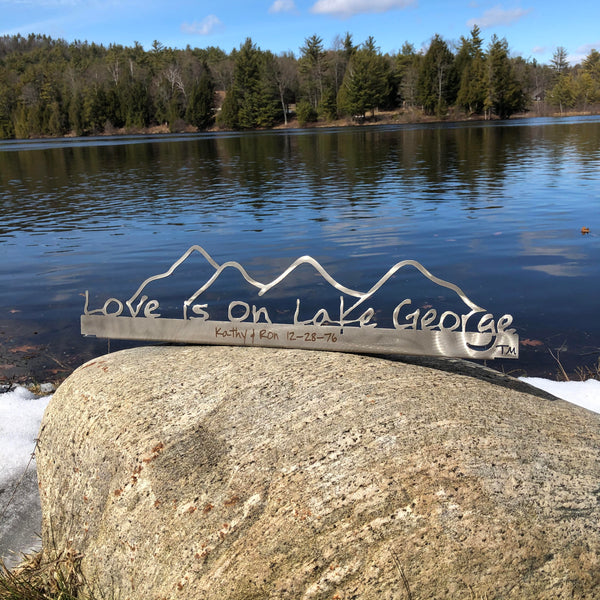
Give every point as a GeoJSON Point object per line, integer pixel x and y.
{"type": "Point", "coordinates": [246, 473]}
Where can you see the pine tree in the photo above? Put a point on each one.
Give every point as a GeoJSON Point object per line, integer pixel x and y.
{"type": "Point", "coordinates": [365, 84]}
{"type": "Point", "coordinates": [505, 95]}
{"type": "Point", "coordinates": [255, 93]}
{"type": "Point", "coordinates": [136, 104]}
{"type": "Point", "coordinates": [563, 92]}
{"type": "Point", "coordinates": [437, 78]}
{"type": "Point", "coordinates": [313, 66]}
{"type": "Point", "coordinates": [268, 112]}
{"type": "Point", "coordinates": [559, 61]}
{"type": "Point", "coordinates": [7, 106]}
{"type": "Point", "coordinates": [247, 84]}
{"type": "Point", "coordinates": [407, 73]}
{"type": "Point", "coordinates": [75, 113]}
{"type": "Point", "coordinates": [591, 64]}
{"type": "Point", "coordinates": [470, 63]}
{"type": "Point", "coordinates": [94, 108]}
{"type": "Point", "coordinates": [228, 117]}
{"type": "Point", "coordinates": [199, 110]}
{"type": "Point", "coordinates": [589, 80]}
{"type": "Point", "coordinates": [587, 91]}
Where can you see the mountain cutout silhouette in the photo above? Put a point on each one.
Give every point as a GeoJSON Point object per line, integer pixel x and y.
{"type": "Point", "coordinates": [265, 287]}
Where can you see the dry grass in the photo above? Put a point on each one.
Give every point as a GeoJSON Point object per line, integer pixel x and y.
{"type": "Point", "coordinates": [581, 373]}
{"type": "Point", "coordinates": [45, 578]}
{"type": "Point", "coordinates": [584, 373]}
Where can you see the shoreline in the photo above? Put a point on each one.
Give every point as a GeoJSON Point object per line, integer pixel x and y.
{"type": "Point", "coordinates": [403, 117]}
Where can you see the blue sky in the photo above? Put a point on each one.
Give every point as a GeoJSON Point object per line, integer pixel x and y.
{"type": "Point", "coordinates": [533, 28]}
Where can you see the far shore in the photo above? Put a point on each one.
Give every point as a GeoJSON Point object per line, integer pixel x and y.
{"type": "Point", "coordinates": [402, 117]}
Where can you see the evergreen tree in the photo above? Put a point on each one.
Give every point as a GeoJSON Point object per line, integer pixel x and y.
{"type": "Point", "coordinates": [437, 78]}
{"type": "Point", "coordinates": [75, 113]}
{"type": "Point", "coordinates": [349, 47]}
{"type": "Point", "coordinates": [306, 113]}
{"type": "Point", "coordinates": [589, 80]}
{"type": "Point", "coordinates": [199, 110]}
{"type": "Point", "coordinates": [50, 87]}
{"type": "Point", "coordinates": [255, 93]}
{"type": "Point", "coordinates": [329, 105]}
{"type": "Point", "coordinates": [505, 95]}
{"type": "Point", "coordinates": [591, 64]}
{"type": "Point", "coordinates": [114, 109]}
{"type": "Point", "coordinates": [228, 117]}
{"type": "Point", "coordinates": [407, 74]}
{"type": "Point", "coordinates": [365, 84]}
{"type": "Point", "coordinates": [7, 106]}
{"type": "Point", "coordinates": [559, 61]}
{"type": "Point", "coordinates": [268, 112]}
{"type": "Point", "coordinates": [94, 108]}
{"type": "Point", "coordinates": [136, 104]}
{"type": "Point", "coordinates": [470, 63]}
{"type": "Point", "coordinates": [587, 90]}
{"type": "Point", "coordinates": [469, 48]}
{"type": "Point", "coordinates": [21, 122]}
{"type": "Point", "coordinates": [313, 66]}
{"type": "Point", "coordinates": [52, 120]}
{"type": "Point", "coordinates": [563, 94]}
{"type": "Point", "coordinates": [337, 62]}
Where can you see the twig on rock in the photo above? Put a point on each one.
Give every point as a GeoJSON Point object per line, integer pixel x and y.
{"type": "Point", "coordinates": [402, 575]}
{"type": "Point", "coordinates": [557, 359]}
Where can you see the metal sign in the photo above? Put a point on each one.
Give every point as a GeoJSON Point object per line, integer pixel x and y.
{"type": "Point", "coordinates": [351, 326]}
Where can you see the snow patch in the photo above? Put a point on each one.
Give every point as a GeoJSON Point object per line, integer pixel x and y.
{"type": "Point", "coordinates": [582, 393]}
{"type": "Point", "coordinates": [21, 413]}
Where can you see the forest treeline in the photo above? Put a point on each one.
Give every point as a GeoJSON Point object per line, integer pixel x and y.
{"type": "Point", "coordinates": [49, 87]}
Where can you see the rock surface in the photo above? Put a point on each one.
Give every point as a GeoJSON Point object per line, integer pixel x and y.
{"type": "Point", "coordinates": [246, 473]}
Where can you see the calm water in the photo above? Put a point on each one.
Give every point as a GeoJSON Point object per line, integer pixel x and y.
{"type": "Point", "coordinates": [494, 208]}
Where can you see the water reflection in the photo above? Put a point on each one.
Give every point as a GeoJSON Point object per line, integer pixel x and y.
{"type": "Point", "coordinates": [472, 165]}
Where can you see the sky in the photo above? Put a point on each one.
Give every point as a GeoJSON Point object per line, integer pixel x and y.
{"type": "Point", "coordinates": [533, 28]}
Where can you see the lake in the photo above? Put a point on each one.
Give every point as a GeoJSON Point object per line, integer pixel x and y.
{"type": "Point", "coordinates": [496, 208]}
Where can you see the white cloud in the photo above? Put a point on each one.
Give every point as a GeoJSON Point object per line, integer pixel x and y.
{"type": "Point", "coordinates": [498, 16]}
{"type": "Point", "coordinates": [207, 26]}
{"type": "Point", "coordinates": [582, 53]}
{"type": "Point", "coordinates": [564, 270]}
{"type": "Point", "coordinates": [587, 48]}
{"type": "Point", "coordinates": [349, 8]}
{"type": "Point", "coordinates": [282, 6]}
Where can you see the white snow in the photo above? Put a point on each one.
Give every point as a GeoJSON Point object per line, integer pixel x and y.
{"type": "Point", "coordinates": [582, 393]}
{"type": "Point", "coordinates": [21, 413]}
